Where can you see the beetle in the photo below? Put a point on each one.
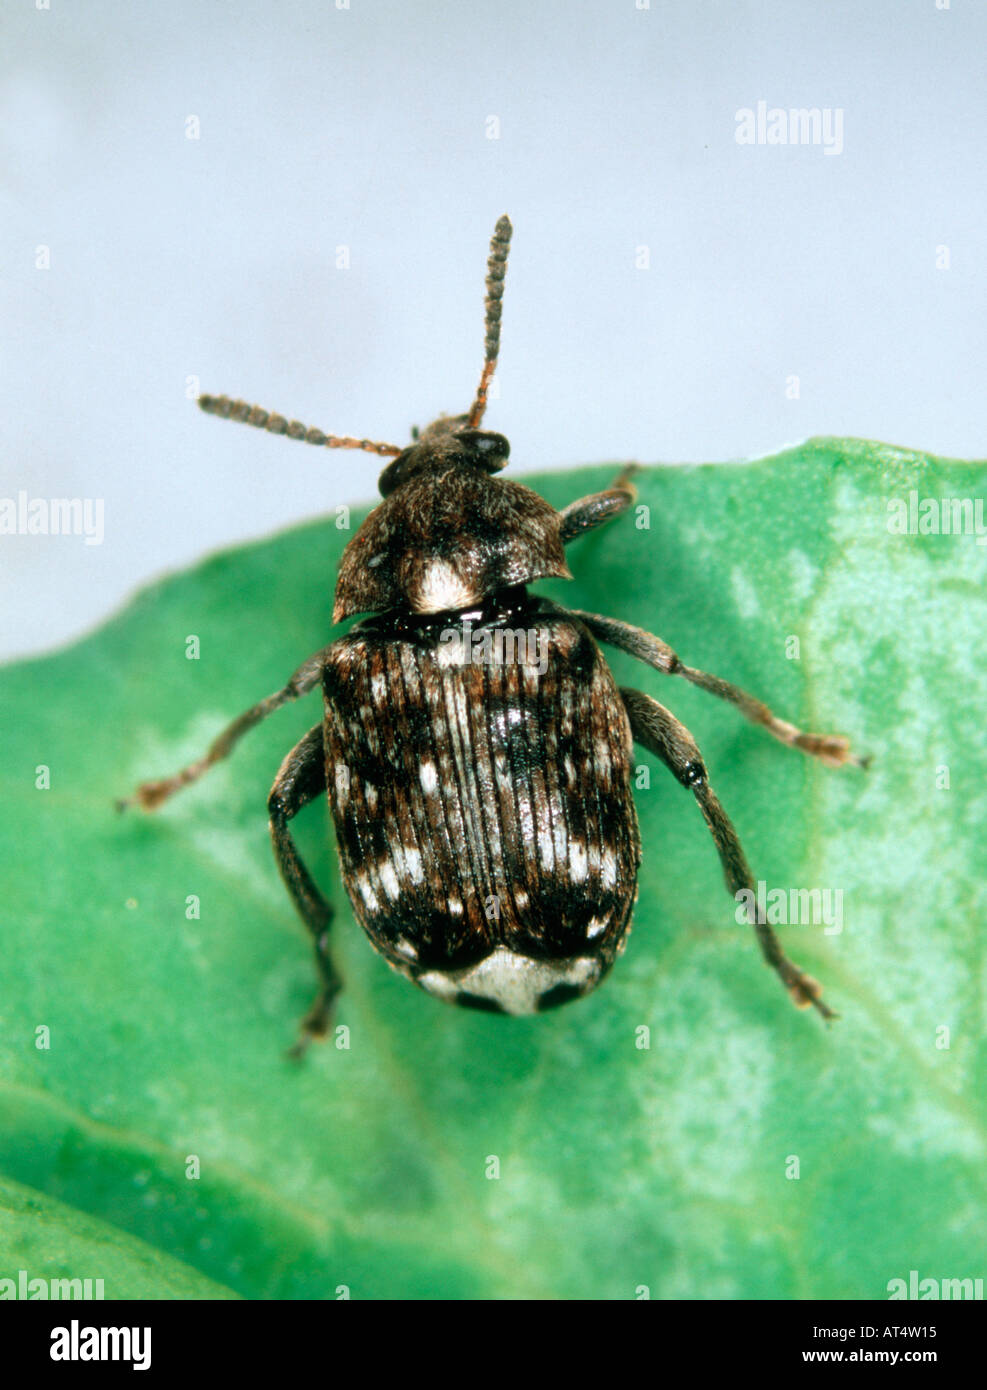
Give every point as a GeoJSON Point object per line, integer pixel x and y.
{"type": "Point", "coordinates": [474, 746]}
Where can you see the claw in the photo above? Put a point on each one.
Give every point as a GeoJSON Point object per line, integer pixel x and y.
{"type": "Point", "coordinates": [831, 749]}
{"type": "Point", "coordinates": [314, 1026]}
{"type": "Point", "coordinates": [806, 993]}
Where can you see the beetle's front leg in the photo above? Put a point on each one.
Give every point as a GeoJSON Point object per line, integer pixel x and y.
{"type": "Point", "coordinates": [662, 734]}
{"type": "Point", "coordinates": [586, 513]}
{"type": "Point", "coordinates": [150, 795]}
{"type": "Point", "coordinates": [301, 778]}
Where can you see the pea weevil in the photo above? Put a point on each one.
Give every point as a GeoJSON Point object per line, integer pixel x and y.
{"type": "Point", "coordinates": [474, 746]}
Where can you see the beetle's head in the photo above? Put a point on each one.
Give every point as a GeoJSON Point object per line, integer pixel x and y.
{"type": "Point", "coordinates": [451, 440]}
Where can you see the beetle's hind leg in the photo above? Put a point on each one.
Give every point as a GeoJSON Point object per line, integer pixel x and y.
{"type": "Point", "coordinates": [587, 513]}
{"type": "Point", "coordinates": [302, 778]}
{"type": "Point", "coordinates": [661, 733]}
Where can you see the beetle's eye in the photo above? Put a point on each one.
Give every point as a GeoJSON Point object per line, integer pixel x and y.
{"type": "Point", "coordinates": [490, 451]}
{"type": "Point", "coordinates": [396, 472]}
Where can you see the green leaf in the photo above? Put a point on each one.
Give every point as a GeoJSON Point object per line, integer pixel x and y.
{"type": "Point", "coordinates": [619, 1165]}
{"type": "Point", "coordinates": [43, 1241]}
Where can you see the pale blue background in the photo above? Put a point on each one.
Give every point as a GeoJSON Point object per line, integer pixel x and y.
{"type": "Point", "coordinates": [366, 127]}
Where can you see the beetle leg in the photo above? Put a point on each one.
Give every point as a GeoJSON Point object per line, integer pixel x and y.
{"type": "Point", "coordinates": [150, 795]}
{"type": "Point", "coordinates": [301, 778]}
{"type": "Point", "coordinates": [661, 733]}
{"type": "Point", "coordinates": [832, 749]}
{"type": "Point", "coordinates": [587, 513]}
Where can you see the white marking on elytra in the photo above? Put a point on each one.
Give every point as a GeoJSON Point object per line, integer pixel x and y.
{"type": "Point", "coordinates": [413, 859]}
{"type": "Point", "coordinates": [546, 847]}
{"type": "Point", "coordinates": [560, 834]}
{"type": "Point", "coordinates": [367, 893]}
{"type": "Point", "coordinates": [378, 686]}
{"type": "Point", "coordinates": [342, 776]}
{"type": "Point", "coordinates": [389, 879]}
{"type": "Point", "coordinates": [608, 868]}
{"type": "Point", "coordinates": [406, 948]}
{"type": "Point", "coordinates": [429, 777]}
{"type": "Point", "coordinates": [456, 907]}
{"type": "Point", "coordinates": [602, 756]}
{"type": "Point", "coordinates": [441, 587]}
{"type": "Point", "coordinates": [461, 737]}
{"type": "Point", "coordinates": [517, 983]}
{"type": "Point", "coordinates": [595, 926]}
{"type": "Point", "coordinates": [577, 861]}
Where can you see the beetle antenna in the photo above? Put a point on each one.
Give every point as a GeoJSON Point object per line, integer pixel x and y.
{"type": "Point", "coordinates": [496, 270]}
{"type": "Point", "coordinates": [276, 424]}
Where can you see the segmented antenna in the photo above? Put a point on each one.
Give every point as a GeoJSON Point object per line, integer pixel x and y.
{"type": "Point", "coordinates": [276, 424]}
{"type": "Point", "coordinates": [496, 270]}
